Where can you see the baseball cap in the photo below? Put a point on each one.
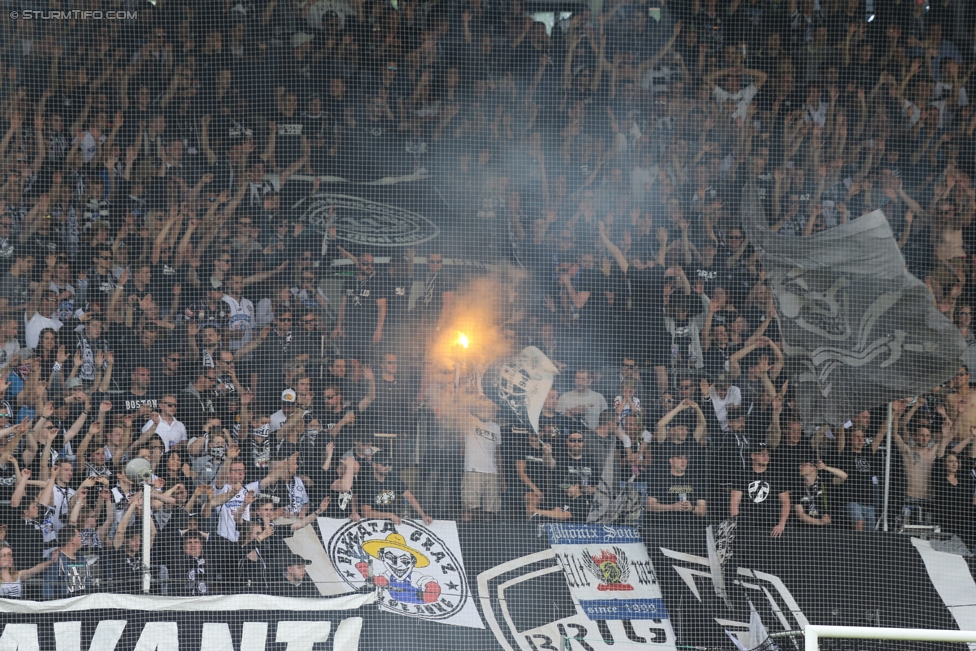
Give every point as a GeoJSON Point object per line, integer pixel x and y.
{"type": "Point", "coordinates": [671, 450]}
{"type": "Point", "coordinates": [292, 558]}
{"type": "Point", "coordinates": [755, 448]}
{"type": "Point", "coordinates": [289, 395]}
{"type": "Point", "coordinates": [73, 383]}
{"type": "Point", "coordinates": [381, 456]}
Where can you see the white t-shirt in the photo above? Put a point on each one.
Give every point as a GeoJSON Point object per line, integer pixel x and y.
{"type": "Point", "coordinates": [277, 420]}
{"type": "Point", "coordinates": [594, 402]}
{"type": "Point", "coordinates": [171, 434]}
{"type": "Point", "coordinates": [481, 439]}
{"type": "Point", "coordinates": [241, 318]}
{"type": "Point", "coordinates": [742, 99]}
{"type": "Point", "coordinates": [226, 513]}
{"type": "Point", "coordinates": [732, 397]}
{"type": "Point", "coordinates": [38, 322]}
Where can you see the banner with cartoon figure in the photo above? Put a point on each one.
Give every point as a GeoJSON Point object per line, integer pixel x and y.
{"type": "Point", "coordinates": [608, 572]}
{"type": "Point", "coordinates": [417, 569]}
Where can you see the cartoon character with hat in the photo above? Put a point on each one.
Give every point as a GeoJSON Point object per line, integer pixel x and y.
{"type": "Point", "coordinates": [400, 561]}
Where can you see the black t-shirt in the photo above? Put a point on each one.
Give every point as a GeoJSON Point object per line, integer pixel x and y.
{"type": "Point", "coordinates": [535, 467]}
{"type": "Point", "coordinates": [126, 572]}
{"type": "Point", "coordinates": [812, 498]}
{"type": "Point", "coordinates": [668, 489]}
{"type": "Point", "coordinates": [362, 311]}
{"type": "Point", "coordinates": [191, 576]}
{"type": "Point", "coordinates": [328, 420]}
{"type": "Point", "coordinates": [164, 277]}
{"type": "Point", "coordinates": [340, 506]}
{"type": "Point", "coordinates": [861, 469]}
{"type": "Point", "coordinates": [24, 537]}
{"type": "Point", "coordinates": [398, 298]}
{"type": "Point", "coordinates": [195, 410]}
{"type": "Point", "coordinates": [597, 311]}
{"type": "Point", "coordinates": [435, 286]}
{"type": "Point", "coordinates": [283, 588]}
{"type": "Point", "coordinates": [390, 413]}
{"type": "Point", "coordinates": [130, 403]}
{"type": "Point", "coordinates": [554, 429]}
{"type": "Point", "coordinates": [581, 472]}
{"type": "Point", "coordinates": [208, 317]}
{"type": "Point", "coordinates": [288, 143]}
{"type": "Point", "coordinates": [714, 359]}
{"type": "Point", "coordinates": [760, 505]}
{"type": "Point", "coordinates": [379, 495]}
{"type": "Point", "coordinates": [715, 275]}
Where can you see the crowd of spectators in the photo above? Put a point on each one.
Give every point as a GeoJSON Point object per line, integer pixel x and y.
{"type": "Point", "coordinates": [161, 298]}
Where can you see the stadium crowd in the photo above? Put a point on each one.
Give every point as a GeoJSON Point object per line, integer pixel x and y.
{"type": "Point", "coordinates": [161, 298]}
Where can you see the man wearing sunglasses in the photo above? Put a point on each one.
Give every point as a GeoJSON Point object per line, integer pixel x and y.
{"type": "Point", "coordinates": [170, 430]}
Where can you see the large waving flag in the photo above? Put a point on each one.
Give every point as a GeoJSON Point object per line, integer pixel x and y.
{"type": "Point", "coordinates": [858, 329]}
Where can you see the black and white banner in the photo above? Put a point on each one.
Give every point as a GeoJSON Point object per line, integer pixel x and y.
{"type": "Point", "coordinates": [534, 589]}
{"type": "Point", "coordinates": [416, 569]}
{"type": "Point", "coordinates": [107, 622]}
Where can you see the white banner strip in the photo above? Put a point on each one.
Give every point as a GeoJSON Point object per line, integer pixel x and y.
{"type": "Point", "coordinates": [950, 575]}
{"type": "Point", "coordinates": [154, 603]}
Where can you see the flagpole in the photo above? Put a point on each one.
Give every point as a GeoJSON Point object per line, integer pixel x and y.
{"type": "Point", "coordinates": [887, 486]}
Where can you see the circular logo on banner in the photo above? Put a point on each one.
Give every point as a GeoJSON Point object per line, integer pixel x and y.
{"type": "Point", "coordinates": [417, 573]}
{"type": "Point", "coordinates": [369, 222]}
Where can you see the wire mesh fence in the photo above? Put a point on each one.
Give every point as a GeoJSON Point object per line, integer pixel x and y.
{"type": "Point", "coordinates": [485, 324]}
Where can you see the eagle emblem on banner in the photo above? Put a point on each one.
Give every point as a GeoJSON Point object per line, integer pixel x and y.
{"type": "Point", "coordinates": [611, 569]}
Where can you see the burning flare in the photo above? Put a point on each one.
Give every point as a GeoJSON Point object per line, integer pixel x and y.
{"type": "Point", "coordinates": [462, 340]}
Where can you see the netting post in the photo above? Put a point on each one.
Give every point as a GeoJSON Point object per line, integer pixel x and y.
{"type": "Point", "coordinates": [146, 535]}
{"type": "Point", "coordinates": [811, 639]}
{"type": "Point", "coordinates": [887, 479]}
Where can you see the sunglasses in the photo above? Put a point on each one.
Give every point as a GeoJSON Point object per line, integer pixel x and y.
{"type": "Point", "coordinates": [168, 404]}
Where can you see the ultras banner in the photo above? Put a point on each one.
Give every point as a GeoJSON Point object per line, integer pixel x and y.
{"type": "Point", "coordinates": [527, 593]}
{"type": "Point", "coordinates": [418, 569]}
